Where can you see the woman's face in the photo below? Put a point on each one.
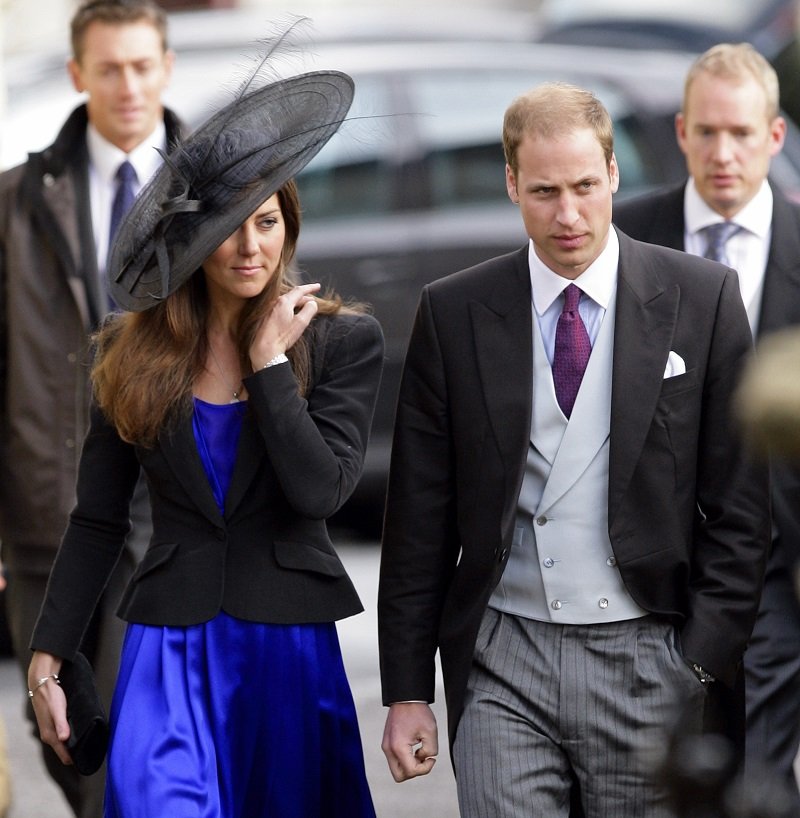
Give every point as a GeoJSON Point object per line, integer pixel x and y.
{"type": "Point", "coordinates": [243, 265]}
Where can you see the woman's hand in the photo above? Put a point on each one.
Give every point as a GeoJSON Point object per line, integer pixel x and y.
{"type": "Point", "coordinates": [49, 703]}
{"type": "Point", "coordinates": [287, 321]}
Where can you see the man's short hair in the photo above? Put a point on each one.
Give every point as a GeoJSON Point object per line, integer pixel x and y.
{"type": "Point", "coordinates": [115, 12]}
{"type": "Point", "coordinates": [554, 109]}
{"type": "Point", "coordinates": [737, 62]}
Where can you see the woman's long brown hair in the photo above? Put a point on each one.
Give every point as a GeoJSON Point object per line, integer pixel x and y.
{"type": "Point", "coordinates": [147, 362]}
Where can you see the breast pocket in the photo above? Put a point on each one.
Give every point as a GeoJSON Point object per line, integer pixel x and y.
{"type": "Point", "coordinates": [679, 384]}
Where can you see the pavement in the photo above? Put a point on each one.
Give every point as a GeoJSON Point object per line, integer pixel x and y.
{"type": "Point", "coordinates": [35, 796]}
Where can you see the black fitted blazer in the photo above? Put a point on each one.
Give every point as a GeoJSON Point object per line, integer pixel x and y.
{"type": "Point", "coordinates": [269, 558]}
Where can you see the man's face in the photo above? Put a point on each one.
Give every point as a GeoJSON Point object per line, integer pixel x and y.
{"type": "Point", "coordinates": [728, 140]}
{"type": "Point", "coordinates": [563, 187]}
{"type": "Point", "coordinates": [124, 70]}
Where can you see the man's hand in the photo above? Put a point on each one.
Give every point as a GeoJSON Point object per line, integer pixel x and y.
{"type": "Point", "coordinates": [410, 740]}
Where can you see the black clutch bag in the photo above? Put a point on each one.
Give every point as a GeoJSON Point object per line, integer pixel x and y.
{"type": "Point", "coordinates": [88, 725]}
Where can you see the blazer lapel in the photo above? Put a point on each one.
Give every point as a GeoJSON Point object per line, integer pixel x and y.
{"type": "Point", "coordinates": [180, 450]}
{"type": "Point", "coordinates": [249, 457]}
{"type": "Point", "coordinates": [646, 315]}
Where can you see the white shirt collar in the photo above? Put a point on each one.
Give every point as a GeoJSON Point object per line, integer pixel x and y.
{"type": "Point", "coordinates": [755, 216]}
{"type": "Point", "coordinates": [598, 280]}
{"type": "Point", "coordinates": [106, 158]}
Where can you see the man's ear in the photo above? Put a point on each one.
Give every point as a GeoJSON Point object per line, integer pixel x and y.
{"type": "Point", "coordinates": [511, 185]}
{"type": "Point", "coordinates": [613, 173]}
{"type": "Point", "coordinates": [680, 131]}
{"type": "Point", "coordinates": [74, 71]}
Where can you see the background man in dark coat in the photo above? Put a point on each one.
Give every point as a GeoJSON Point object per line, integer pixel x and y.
{"type": "Point", "coordinates": [729, 130]}
{"type": "Point", "coordinates": [55, 223]}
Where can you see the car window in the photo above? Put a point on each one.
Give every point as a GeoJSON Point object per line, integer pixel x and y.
{"type": "Point", "coordinates": [430, 141]}
{"type": "Point", "coordinates": [354, 173]}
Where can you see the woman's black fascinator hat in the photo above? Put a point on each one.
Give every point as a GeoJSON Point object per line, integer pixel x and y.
{"type": "Point", "coordinates": [210, 184]}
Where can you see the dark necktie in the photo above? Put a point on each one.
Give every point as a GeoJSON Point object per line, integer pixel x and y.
{"type": "Point", "coordinates": [123, 197]}
{"type": "Point", "coordinates": [572, 351]}
{"type": "Point", "coordinates": [717, 236]}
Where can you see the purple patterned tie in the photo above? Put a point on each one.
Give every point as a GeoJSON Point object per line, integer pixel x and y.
{"type": "Point", "coordinates": [572, 351]}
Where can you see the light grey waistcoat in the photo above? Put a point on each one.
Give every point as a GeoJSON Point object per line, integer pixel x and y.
{"type": "Point", "coordinates": [562, 567]}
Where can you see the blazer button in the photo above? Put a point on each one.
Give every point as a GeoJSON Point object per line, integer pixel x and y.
{"type": "Point", "coordinates": [603, 603]}
{"type": "Point", "coordinates": [556, 604]}
{"type": "Point", "coordinates": [541, 520]}
{"type": "Point", "coordinates": [611, 562]}
{"type": "Point", "coordinates": [548, 562]}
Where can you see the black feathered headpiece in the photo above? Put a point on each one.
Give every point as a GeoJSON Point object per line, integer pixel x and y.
{"type": "Point", "coordinates": [210, 184]}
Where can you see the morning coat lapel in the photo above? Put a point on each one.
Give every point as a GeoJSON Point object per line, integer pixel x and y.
{"type": "Point", "coordinates": [502, 326]}
{"type": "Point", "coordinates": [780, 303]}
{"type": "Point", "coordinates": [647, 312]}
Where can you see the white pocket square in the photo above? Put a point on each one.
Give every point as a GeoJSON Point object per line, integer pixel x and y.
{"type": "Point", "coordinates": [675, 366]}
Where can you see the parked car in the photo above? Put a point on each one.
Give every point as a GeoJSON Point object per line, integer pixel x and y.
{"type": "Point", "coordinates": [413, 186]}
{"type": "Point", "coordinates": [678, 24]}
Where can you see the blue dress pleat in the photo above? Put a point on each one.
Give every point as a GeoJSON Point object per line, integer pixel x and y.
{"type": "Point", "coordinates": [233, 719]}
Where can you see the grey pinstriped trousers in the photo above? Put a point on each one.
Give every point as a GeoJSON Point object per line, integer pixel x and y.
{"type": "Point", "coordinates": [548, 702]}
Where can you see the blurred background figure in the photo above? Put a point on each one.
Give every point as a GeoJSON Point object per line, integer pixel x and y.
{"type": "Point", "coordinates": [769, 396]}
{"type": "Point", "coordinates": [55, 231]}
{"type": "Point", "coordinates": [729, 130]}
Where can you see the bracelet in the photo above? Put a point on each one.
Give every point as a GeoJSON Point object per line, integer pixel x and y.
{"type": "Point", "coordinates": [278, 359]}
{"type": "Point", "coordinates": [40, 682]}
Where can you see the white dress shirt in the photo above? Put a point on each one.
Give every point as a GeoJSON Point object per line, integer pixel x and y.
{"type": "Point", "coordinates": [104, 160]}
{"type": "Point", "coordinates": [747, 250]}
{"type": "Point", "coordinates": [598, 281]}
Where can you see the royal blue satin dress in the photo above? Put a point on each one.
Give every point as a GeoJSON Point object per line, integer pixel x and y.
{"type": "Point", "coordinates": [233, 719]}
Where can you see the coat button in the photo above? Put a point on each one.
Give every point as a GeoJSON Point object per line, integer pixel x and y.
{"type": "Point", "coordinates": [548, 562]}
{"type": "Point", "coordinates": [611, 562]}
{"type": "Point", "coordinates": [541, 520]}
{"type": "Point", "coordinates": [556, 604]}
{"type": "Point", "coordinates": [603, 603]}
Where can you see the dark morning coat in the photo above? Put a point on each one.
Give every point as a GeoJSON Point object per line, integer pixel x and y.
{"type": "Point", "coordinates": [687, 512]}
{"type": "Point", "coordinates": [658, 218]}
{"type": "Point", "coordinates": [269, 558]}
